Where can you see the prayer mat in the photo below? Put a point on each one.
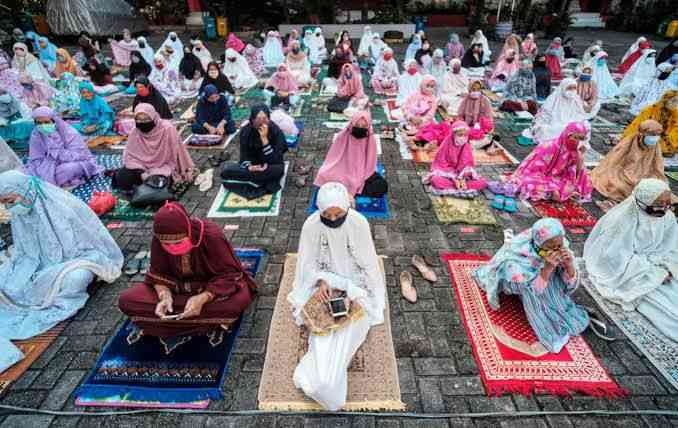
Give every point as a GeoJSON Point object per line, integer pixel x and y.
{"type": "Point", "coordinates": [106, 140]}
{"type": "Point", "coordinates": [570, 213]}
{"type": "Point", "coordinates": [673, 175]}
{"type": "Point", "coordinates": [671, 164]}
{"type": "Point", "coordinates": [455, 210]}
{"type": "Point", "coordinates": [32, 349]}
{"type": "Point", "coordinates": [142, 375]}
{"type": "Point", "coordinates": [524, 141]}
{"type": "Point", "coordinates": [605, 205]}
{"type": "Point", "coordinates": [229, 204]}
{"type": "Point", "coordinates": [391, 110]}
{"type": "Point", "coordinates": [592, 158]}
{"type": "Point", "coordinates": [509, 356]}
{"type": "Point", "coordinates": [124, 211]}
{"type": "Point", "coordinates": [659, 349]}
{"type": "Point", "coordinates": [98, 183]}
{"type": "Point", "coordinates": [189, 114]}
{"type": "Point", "coordinates": [220, 146]}
{"type": "Point", "coordinates": [293, 142]}
{"type": "Point", "coordinates": [501, 157]}
{"type": "Point", "coordinates": [372, 376]}
{"type": "Point", "coordinates": [338, 117]}
{"type": "Point", "coordinates": [296, 111]}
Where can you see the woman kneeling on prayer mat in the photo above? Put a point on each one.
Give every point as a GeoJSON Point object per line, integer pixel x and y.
{"type": "Point", "coordinates": [16, 123]}
{"type": "Point", "coordinates": [60, 246]}
{"type": "Point", "coordinates": [538, 266]}
{"type": "Point", "coordinates": [195, 284]}
{"type": "Point", "coordinates": [634, 158]}
{"type": "Point", "coordinates": [213, 115]}
{"type": "Point", "coordinates": [282, 88]}
{"type": "Point", "coordinates": [337, 259]}
{"type": "Point", "coordinates": [352, 160]}
{"type": "Point", "coordinates": [96, 116]}
{"type": "Point", "coordinates": [385, 76]}
{"type": "Point", "coordinates": [665, 111]}
{"type": "Point", "coordinates": [420, 108]}
{"type": "Point", "coordinates": [262, 147]}
{"type": "Point", "coordinates": [632, 255]}
{"type": "Point", "coordinates": [520, 93]}
{"type": "Point", "coordinates": [57, 152]}
{"type": "Point", "coordinates": [350, 91]}
{"type": "Point", "coordinates": [455, 86]}
{"type": "Point", "coordinates": [475, 106]}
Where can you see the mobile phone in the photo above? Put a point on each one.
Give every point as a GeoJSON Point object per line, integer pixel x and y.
{"type": "Point", "coordinates": [338, 307]}
{"type": "Point", "coordinates": [171, 317]}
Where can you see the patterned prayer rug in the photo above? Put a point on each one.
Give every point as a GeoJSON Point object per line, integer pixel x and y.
{"type": "Point", "coordinates": [32, 349]}
{"type": "Point", "coordinates": [660, 350]}
{"type": "Point", "coordinates": [229, 204]}
{"type": "Point", "coordinates": [501, 157]}
{"type": "Point", "coordinates": [372, 376]}
{"type": "Point", "coordinates": [570, 213]}
{"type": "Point", "coordinates": [456, 210]}
{"type": "Point", "coordinates": [142, 375]}
{"type": "Point", "coordinates": [221, 146]}
{"type": "Point", "coordinates": [508, 354]}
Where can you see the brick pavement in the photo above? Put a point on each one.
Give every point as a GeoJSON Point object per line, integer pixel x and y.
{"type": "Point", "coordinates": [436, 367]}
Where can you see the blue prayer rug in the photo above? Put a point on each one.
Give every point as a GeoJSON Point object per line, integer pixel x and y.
{"type": "Point", "coordinates": [98, 183]}
{"type": "Point", "coordinates": [143, 375]}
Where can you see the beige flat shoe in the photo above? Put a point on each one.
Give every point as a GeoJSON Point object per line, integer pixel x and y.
{"type": "Point", "coordinates": [406, 288]}
{"type": "Point", "coordinates": [422, 267]}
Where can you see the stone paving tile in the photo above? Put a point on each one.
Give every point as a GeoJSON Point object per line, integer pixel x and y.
{"type": "Point", "coordinates": [436, 366]}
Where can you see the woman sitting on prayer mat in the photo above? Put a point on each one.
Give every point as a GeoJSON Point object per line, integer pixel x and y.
{"type": "Point", "coordinates": [438, 68]}
{"type": "Point", "coordinates": [555, 169]}
{"type": "Point", "coordinates": [233, 42]}
{"type": "Point", "coordinates": [408, 82]}
{"type": "Point", "coordinates": [65, 64]}
{"type": "Point", "coordinates": [191, 74]}
{"type": "Point", "coordinates": [174, 46]}
{"type": "Point", "coordinates": [607, 87]}
{"type": "Point", "coordinates": [590, 53]}
{"type": "Point", "coordinates": [47, 53]}
{"type": "Point", "coordinates": [37, 93]}
{"type": "Point", "coordinates": [60, 247]}
{"type": "Point", "coordinates": [554, 57]}
{"type": "Point", "coordinates": [282, 88]}
{"type": "Point", "coordinates": [238, 72]}
{"type": "Point", "coordinates": [376, 49]}
{"type": "Point", "coordinates": [386, 74]}
{"type": "Point", "coordinates": [10, 79]}
{"type": "Point", "coordinates": [147, 94]}
{"type": "Point", "coordinates": [633, 54]}
{"type": "Point", "coordinates": [273, 50]}
{"type": "Point", "coordinates": [424, 56]}
{"type": "Point", "coordinates": [202, 53]}
{"type": "Point", "coordinates": [665, 111]}
{"type": "Point", "coordinates": [165, 79]}
{"type": "Point", "coordinates": [299, 65]}
{"type": "Point", "coordinates": [528, 47]}
{"type": "Point", "coordinates": [67, 97]}
{"type": "Point", "coordinates": [475, 105]}
{"type": "Point", "coordinates": [455, 48]}
{"type": "Point", "coordinates": [520, 93]}
{"type": "Point", "coordinates": [349, 89]}
{"type": "Point", "coordinates": [145, 49]}
{"type": "Point", "coordinates": [153, 148]}
{"type": "Point", "coordinates": [57, 153]}
{"type": "Point", "coordinates": [216, 78]}
{"type": "Point", "coordinates": [26, 63]}
{"type": "Point", "coordinates": [365, 40]}
{"type": "Point", "coordinates": [505, 69]}
{"type": "Point", "coordinates": [588, 92]}
{"type": "Point", "coordinates": [455, 86]}
{"type": "Point", "coordinates": [352, 160]}
{"type": "Point", "coordinates": [342, 56]}
{"type": "Point", "coordinates": [101, 77]}
{"type": "Point", "coordinates": [262, 147]}
{"type": "Point", "coordinates": [453, 169]}
{"type": "Point", "coordinates": [511, 43]}
{"type": "Point", "coordinates": [654, 89]}
{"type": "Point", "coordinates": [336, 257]}
{"type": "Point", "coordinates": [89, 49]}
{"type": "Point", "coordinates": [634, 158]}
{"type": "Point", "coordinates": [138, 66]}
{"type": "Point", "coordinates": [562, 107]}
{"type": "Point", "coordinates": [420, 108]}
{"type": "Point", "coordinates": [292, 37]}
{"type": "Point", "coordinates": [213, 115]}
{"type": "Point", "coordinates": [413, 47]}
{"type": "Point", "coordinates": [479, 38]}
{"type": "Point", "coordinates": [538, 266]}
{"type": "Point", "coordinates": [317, 50]}
{"type": "Point", "coordinates": [255, 59]}
{"type": "Point", "coordinates": [123, 49]}
{"type": "Point", "coordinates": [473, 58]}
{"type": "Point", "coordinates": [542, 75]}
{"type": "Point", "coordinates": [16, 123]}
{"type": "Point", "coordinates": [96, 116]}
{"type": "Point", "coordinates": [195, 274]}
{"type": "Point", "coordinates": [632, 255]}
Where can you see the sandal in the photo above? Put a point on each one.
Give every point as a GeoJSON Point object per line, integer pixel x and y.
{"type": "Point", "coordinates": [498, 202]}
{"type": "Point", "coordinates": [595, 324]}
{"type": "Point", "coordinates": [145, 263]}
{"type": "Point", "coordinates": [134, 264]}
{"type": "Point", "coordinates": [406, 288]}
{"type": "Point", "coordinates": [510, 205]}
{"type": "Point", "coordinates": [300, 182]}
{"type": "Point", "coordinates": [424, 270]}
{"type": "Point", "coordinates": [207, 180]}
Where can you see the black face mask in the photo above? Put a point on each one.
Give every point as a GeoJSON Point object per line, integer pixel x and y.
{"type": "Point", "coordinates": [145, 127]}
{"type": "Point", "coordinates": [359, 132]}
{"type": "Point", "coordinates": [174, 39]}
{"type": "Point", "coordinates": [142, 45]}
{"type": "Point", "coordinates": [510, 60]}
{"type": "Point", "coordinates": [652, 211]}
{"type": "Point", "coordinates": [333, 224]}
{"type": "Point", "coordinates": [295, 50]}
{"type": "Point", "coordinates": [664, 75]}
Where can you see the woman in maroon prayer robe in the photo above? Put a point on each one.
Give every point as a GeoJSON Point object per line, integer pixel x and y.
{"type": "Point", "coordinates": [195, 284]}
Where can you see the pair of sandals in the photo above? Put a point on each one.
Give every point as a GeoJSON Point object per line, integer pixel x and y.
{"type": "Point", "coordinates": [139, 264]}
{"type": "Point", "coordinates": [505, 197]}
{"type": "Point", "coordinates": [302, 170]}
{"type": "Point", "coordinates": [407, 282]}
{"type": "Point", "coordinates": [205, 180]}
{"type": "Point", "coordinates": [215, 161]}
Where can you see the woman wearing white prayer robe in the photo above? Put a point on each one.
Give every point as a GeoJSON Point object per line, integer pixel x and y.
{"type": "Point", "coordinates": [317, 50]}
{"type": "Point", "coordinates": [632, 255]}
{"type": "Point", "coordinates": [409, 81]}
{"type": "Point", "coordinates": [238, 71]}
{"type": "Point", "coordinates": [336, 251]}
{"type": "Point", "coordinates": [562, 107]}
{"type": "Point", "coordinates": [146, 50]}
{"type": "Point", "coordinates": [640, 74]}
{"type": "Point", "coordinates": [177, 46]}
{"type": "Point", "coordinates": [273, 50]}
{"type": "Point", "coordinates": [365, 41]}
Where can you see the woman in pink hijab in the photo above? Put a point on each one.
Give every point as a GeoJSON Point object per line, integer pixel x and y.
{"type": "Point", "coordinates": [529, 47]}
{"type": "Point", "coordinates": [352, 159]}
{"type": "Point", "coordinates": [36, 92]}
{"type": "Point", "coordinates": [506, 67]}
{"type": "Point", "coordinates": [453, 169]}
{"type": "Point", "coordinates": [555, 169]}
{"type": "Point", "coordinates": [282, 87]}
{"type": "Point", "coordinates": [153, 148]}
{"type": "Point", "coordinates": [420, 108]}
{"type": "Point", "coordinates": [350, 83]}
{"type": "Point", "coordinates": [233, 42]}
{"type": "Point", "coordinates": [291, 38]}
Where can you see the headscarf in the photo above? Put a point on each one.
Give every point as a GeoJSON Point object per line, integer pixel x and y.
{"type": "Point", "coordinates": [365, 41]}
{"type": "Point", "coordinates": [528, 46]}
{"type": "Point", "coordinates": [479, 38]}
{"type": "Point", "coordinates": [299, 60]}
{"type": "Point", "coordinates": [48, 53]}
{"type": "Point", "coordinates": [189, 65]}
{"type": "Point", "coordinates": [407, 83]}
{"type": "Point", "coordinates": [97, 107]}
{"type": "Point", "coordinates": [438, 67]}
{"type": "Point", "coordinates": [9, 108]}
{"type": "Point", "coordinates": [634, 47]}
{"type": "Point", "coordinates": [653, 91]}
{"type": "Point", "coordinates": [511, 43]}
{"type": "Point", "coordinates": [344, 257]}
{"type": "Point", "coordinates": [352, 87]}
{"type": "Point", "coordinates": [607, 87]}
{"type": "Point", "coordinates": [292, 38]}
{"type": "Point", "coordinates": [453, 158]}
{"type": "Point", "coordinates": [159, 151]}
{"type": "Point", "coordinates": [522, 86]}
{"type": "Point", "coordinates": [640, 73]}
{"type": "Point", "coordinates": [350, 161]}
{"type": "Point", "coordinates": [68, 66]}
{"type": "Point", "coordinates": [455, 49]}
{"type": "Point", "coordinates": [469, 59]}
{"type": "Point", "coordinates": [10, 79]}
{"type": "Point", "coordinates": [255, 59]}
{"type": "Point", "coordinates": [504, 67]}
{"type": "Point", "coordinates": [413, 47]}
{"type": "Point", "coordinates": [39, 94]}
{"type": "Point", "coordinates": [376, 47]}
{"type": "Point", "coordinates": [146, 50]}
{"type": "Point", "coordinates": [176, 45]}
{"type": "Point", "coordinates": [386, 69]}
{"type": "Point", "coordinates": [202, 53]}
{"type": "Point", "coordinates": [556, 49]}
{"type": "Point", "coordinates": [667, 117]}
{"type": "Point", "coordinates": [588, 92]}
{"type": "Point", "coordinates": [628, 162]}
{"type": "Point", "coordinates": [238, 72]}
{"type": "Point", "coordinates": [273, 50]}
{"type": "Point", "coordinates": [22, 63]}
{"type": "Point", "coordinates": [557, 112]}
{"type": "Point", "coordinates": [420, 103]}
{"type": "Point", "coordinates": [138, 66]}
{"type": "Point", "coordinates": [233, 42]}
{"type": "Point", "coordinates": [455, 83]}
{"type": "Point", "coordinates": [153, 98]}
{"type": "Point", "coordinates": [472, 110]}
{"type": "Point", "coordinates": [123, 48]}
{"type": "Point", "coordinates": [222, 83]}
{"type": "Point", "coordinates": [283, 80]}
{"type": "Point", "coordinates": [629, 254]}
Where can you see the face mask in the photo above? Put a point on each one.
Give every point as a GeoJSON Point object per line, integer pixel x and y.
{"type": "Point", "coordinates": [456, 69]}
{"type": "Point", "coordinates": [20, 53]}
{"type": "Point", "coordinates": [180, 248]}
{"type": "Point", "coordinates": [358, 132]}
{"type": "Point", "coordinates": [600, 62]}
{"type": "Point", "coordinates": [61, 58]}
{"type": "Point", "coordinates": [145, 127]}
{"type": "Point", "coordinates": [664, 75]}
{"type": "Point", "coordinates": [46, 128]}
{"type": "Point", "coordinates": [28, 86]}
{"type": "Point", "coordinates": [5, 98]}
{"type": "Point", "coordinates": [570, 93]}
{"type": "Point", "coordinates": [143, 92]}
{"type": "Point", "coordinates": [651, 140]}
{"type": "Point", "coordinates": [19, 209]}
{"type": "Point", "coordinates": [213, 74]}
{"type": "Point", "coordinates": [459, 140]}
{"type": "Point", "coordinates": [135, 59]}
{"type": "Point", "coordinates": [345, 46]}
{"type": "Point", "coordinates": [412, 71]}
{"type": "Point", "coordinates": [232, 59]}
{"type": "Point", "coordinates": [174, 39]}
{"type": "Point", "coordinates": [475, 94]}
{"type": "Point", "coordinates": [388, 57]}
{"type": "Point", "coordinates": [142, 45]}
{"type": "Point", "coordinates": [349, 75]}
{"type": "Point", "coordinates": [571, 144]}
{"type": "Point", "coordinates": [295, 50]}
{"type": "Point", "coordinates": [160, 66]}
{"type": "Point", "coordinates": [510, 60]}
{"type": "Point", "coordinates": [197, 49]}
{"type": "Point", "coordinates": [333, 224]}
{"type": "Point", "coordinates": [585, 77]}
{"type": "Point", "coordinates": [652, 211]}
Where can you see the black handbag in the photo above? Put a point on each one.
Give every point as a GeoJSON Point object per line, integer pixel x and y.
{"type": "Point", "coordinates": [338, 105]}
{"type": "Point", "coordinates": [154, 191]}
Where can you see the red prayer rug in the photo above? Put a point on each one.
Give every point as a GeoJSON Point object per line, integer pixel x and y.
{"type": "Point", "coordinates": [570, 213]}
{"type": "Point", "coordinates": [508, 354]}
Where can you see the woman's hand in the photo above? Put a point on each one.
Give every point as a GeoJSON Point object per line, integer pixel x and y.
{"type": "Point", "coordinates": [194, 305]}
{"type": "Point", "coordinates": [324, 292]}
{"type": "Point", "coordinates": [552, 259]}
{"type": "Point", "coordinates": [263, 133]}
{"type": "Point", "coordinates": [165, 305]}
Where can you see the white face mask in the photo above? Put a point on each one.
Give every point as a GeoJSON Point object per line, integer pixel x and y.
{"type": "Point", "coordinates": [459, 140]}
{"type": "Point", "coordinates": [475, 94]}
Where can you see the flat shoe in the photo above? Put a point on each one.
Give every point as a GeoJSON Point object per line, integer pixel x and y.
{"type": "Point", "coordinates": [422, 267]}
{"type": "Point", "coordinates": [300, 182]}
{"type": "Point", "coordinates": [207, 180]}
{"type": "Point", "coordinates": [134, 264]}
{"type": "Point", "coordinates": [406, 288]}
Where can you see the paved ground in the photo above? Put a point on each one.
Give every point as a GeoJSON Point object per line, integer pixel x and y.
{"type": "Point", "coordinates": [436, 366]}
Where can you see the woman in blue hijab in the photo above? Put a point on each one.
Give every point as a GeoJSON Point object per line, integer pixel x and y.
{"type": "Point", "coordinates": [213, 115]}
{"type": "Point", "coordinates": [47, 53]}
{"type": "Point", "coordinates": [414, 46]}
{"type": "Point", "coordinates": [96, 116]}
{"type": "Point", "coordinates": [60, 246]}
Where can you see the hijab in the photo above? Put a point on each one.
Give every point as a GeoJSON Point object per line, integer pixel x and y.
{"type": "Point", "coordinates": [67, 66]}
{"type": "Point", "coordinates": [176, 45]}
{"type": "Point", "coordinates": [221, 82]}
{"type": "Point", "coordinates": [455, 83]}
{"type": "Point", "coordinates": [386, 68]}
{"type": "Point", "coordinates": [558, 111]}
{"type": "Point", "coordinates": [350, 87]}
{"type": "Point", "coordinates": [9, 107]}
{"type": "Point", "coordinates": [365, 41]}
{"type": "Point", "coordinates": [413, 47]}
{"type": "Point", "coordinates": [452, 157]}
{"type": "Point", "coordinates": [455, 49]}
{"type": "Point", "coordinates": [283, 80]}
{"type": "Point", "coordinates": [479, 38]}
{"type": "Point", "coordinates": [666, 53]}
{"type": "Point", "coordinates": [634, 47]}
{"type": "Point", "coordinates": [48, 54]}
{"type": "Point", "coordinates": [154, 98]}
{"type": "Point", "coordinates": [21, 63]}
{"type": "Point", "coordinates": [469, 59]}
{"type": "Point", "coordinates": [146, 50]}
{"type": "Point", "coordinates": [190, 64]}
{"type": "Point", "coordinates": [522, 86]}
{"type": "Point", "coordinates": [10, 79]}
{"type": "Point", "coordinates": [138, 66]}
{"type": "Point", "coordinates": [202, 53]}
{"type": "Point", "coordinates": [239, 71]}
{"type": "Point", "coordinates": [471, 110]}
{"type": "Point", "coordinates": [233, 42]}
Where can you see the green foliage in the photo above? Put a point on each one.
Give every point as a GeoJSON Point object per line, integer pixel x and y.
{"type": "Point", "coordinates": [644, 18]}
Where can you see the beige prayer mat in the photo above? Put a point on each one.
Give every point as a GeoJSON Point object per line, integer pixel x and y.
{"type": "Point", "coordinates": [372, 377]}
{"type": "Point", "coordinates": [455, 210]}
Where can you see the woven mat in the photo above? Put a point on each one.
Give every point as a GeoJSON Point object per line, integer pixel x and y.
{"type": "Point", "coordinates": [570, 213]}
{"type": "Point", "coordinates": [372, 377]}
{"type": "Point", "coordinates": [220, 146]}
{"type": "Point", "coordinates": [501, 157]}
{"type": "Point", "coordinates": [455, 210]}
{"type": "Point", "coordinates": [507, 352]}
{"type": "Point", "coordinates": [32, 349]}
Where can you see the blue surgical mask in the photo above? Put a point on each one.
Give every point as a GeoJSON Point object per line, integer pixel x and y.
{"type": "Point", "coordinates": [651, 140]}
{"type": "Point", "coordinates": [585, 77]}
{"type": "Point", "coordinates": [46, 128]}
{"type": "Point", "coordinates": [28, 86]}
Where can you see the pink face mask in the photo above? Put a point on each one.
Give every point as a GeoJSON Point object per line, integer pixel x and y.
{"type": "Point", "coordinates": [179, 248]}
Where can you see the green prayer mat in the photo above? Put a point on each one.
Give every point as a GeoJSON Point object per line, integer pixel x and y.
{"type": "Point", "coordinates": [455, 210]}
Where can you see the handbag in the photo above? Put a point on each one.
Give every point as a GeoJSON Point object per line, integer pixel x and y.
{"type": "Point", "coordinates": [154, 191]}
{"type": "Point", "coordinates": [338, 105]}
